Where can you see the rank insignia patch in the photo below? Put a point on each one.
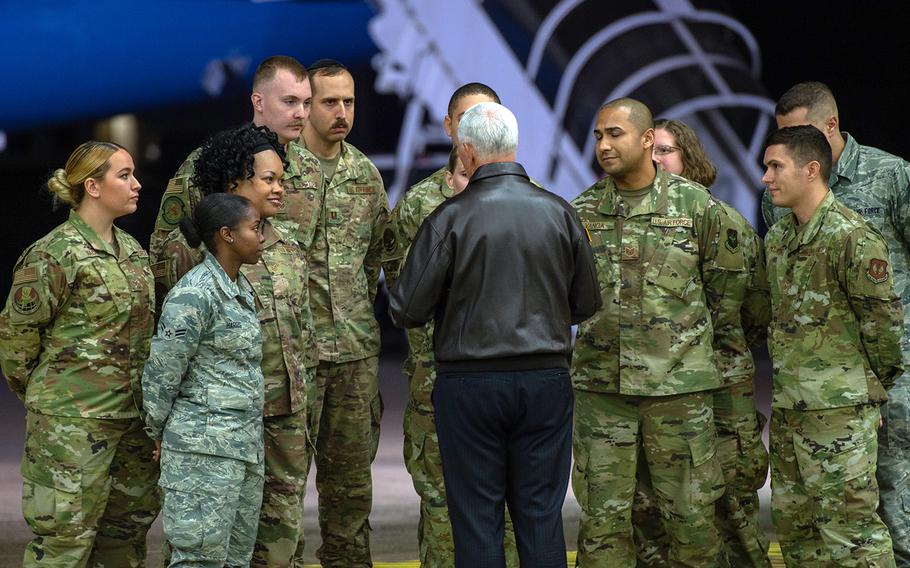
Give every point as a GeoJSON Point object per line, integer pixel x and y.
{"type": "Point", "coordinates": [732, 242]}
{"type": "Point", "coordinates": [173, 333]}
{"type": "Point", "coordinates": [877, 271]}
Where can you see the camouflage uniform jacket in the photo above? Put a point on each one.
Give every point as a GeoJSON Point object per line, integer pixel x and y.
{"type": "Point", "coordinates": [301, 204]}
{"type": "Point", "coordinates": [836, 329]}
{"type": "Point", "coordinates": [876, 185]}
{"type": "Point", "coordinates": [661, 266]}
{"type": "Point", "coordinates": [415, 206]}
{"type": "Point", "coordinates": [76, 327]}
{"type": "Point", "coordinates": [279, 282]}
{"type": "Point", "coordinates": [202, 385]}
{"type": "Point", "coordinates": [345, 259]}
{"type": "Point", "coordinates": [741, 310]}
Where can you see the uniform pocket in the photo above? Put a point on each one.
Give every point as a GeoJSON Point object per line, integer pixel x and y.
{"type": "Point", "coordinates": [676, 273]}
{"type": "Point", "coordinates": [232, 340]}
{"type": "Point", "coordinates": [701, 481]}
{"type": "Point", "coordinates": [192, 522]}
{"type": "Point", "coordinates": [849, 473]}
{"type": "Point", "coordinates": [104, 291]}
{"type": "Point", "coordinates": [580, 478]}
{"type": "Point", "coordinates": [52, 499]}
{"type": "Point", "coordinates": [752, 469]}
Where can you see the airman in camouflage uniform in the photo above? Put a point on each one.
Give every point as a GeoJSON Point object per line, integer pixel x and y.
{"type": "Point", "coordinates": [289, 354]}
{"type": "Point", "coordinates": [344, 263]}
{"type": "Point", "coordinates": [739, 425]}
{"type": "Point", "coordinates": [876, 185]}
{"type": "Point", "coordinates": [203, 398]}
{"type": "Point", "coordinates": [835, 347]}
{"type": "Point", "coordinates": [280, 99]}
{"type": "Point", "coordinates": [73, 336]}
{"type": "Point", "coordinates": [289, 357]}
{"type": "Point", "coordinates": [644, 366]}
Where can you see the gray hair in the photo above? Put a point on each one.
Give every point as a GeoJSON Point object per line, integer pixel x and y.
{"type": "Point", "coordinates": [491, 128]}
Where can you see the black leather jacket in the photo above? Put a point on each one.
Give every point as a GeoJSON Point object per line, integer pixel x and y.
{"type": "Point", "coordinates": [504, 268]}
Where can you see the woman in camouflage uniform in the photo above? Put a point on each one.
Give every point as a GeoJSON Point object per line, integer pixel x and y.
{"type": "Point", "coordinates": [202, 390]}
{"type": "Point", "coordinates": [73, 337]}
{"type": "Point", "coordinates": [247, 161]}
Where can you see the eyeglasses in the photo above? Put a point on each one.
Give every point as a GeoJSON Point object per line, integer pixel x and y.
{"type": "Point", "coordinates": [665, 150]}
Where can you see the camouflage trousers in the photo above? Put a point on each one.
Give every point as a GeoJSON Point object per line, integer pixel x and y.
{"type": "Point", "coordinates": [424, 463]}
{"type": "Point", "coordinates": [344, 416]}
{"type": "Point", "coordinates": [675, 436]}
{"type": "Point", "coordinates": [211, 505]}
{"type": "Point", "coordinates": [893, 472]}
{"type": "Point", "coordinates": [89, 491]}
{"type": "Point", "coordinates": [744, 459]}
{"type": "Point", "coordinates": [281, 516]}
{"type": "Point", "coordinates": [823, 489]}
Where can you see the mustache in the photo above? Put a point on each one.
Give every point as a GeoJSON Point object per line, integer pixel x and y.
{"type": "Point", "coordinates": [340, 124]}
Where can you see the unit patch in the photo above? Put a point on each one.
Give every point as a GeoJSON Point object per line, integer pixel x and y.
{"type": "Point", "coordinates": [26, 300]}
{"type": "Point", "coordinates": [172, 210]}
{"type": "Point", "coordinates": [877, 271]}
{"type": "Point", "coordinates": [732, 242]}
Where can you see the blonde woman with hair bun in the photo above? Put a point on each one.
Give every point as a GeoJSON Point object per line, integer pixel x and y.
{"type": "Point", "coordinates": [73, 338]}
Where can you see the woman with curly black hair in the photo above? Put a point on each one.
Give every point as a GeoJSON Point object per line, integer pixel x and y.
{"type": "Point", "coordinates": [249, 162]}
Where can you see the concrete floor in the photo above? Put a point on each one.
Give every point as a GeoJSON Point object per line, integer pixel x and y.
{"type": "Point", "coordinates": [395, 504]}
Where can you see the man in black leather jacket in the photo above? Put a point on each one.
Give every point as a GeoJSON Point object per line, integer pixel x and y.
{"type": "Point", "coordinates": [504, 269]}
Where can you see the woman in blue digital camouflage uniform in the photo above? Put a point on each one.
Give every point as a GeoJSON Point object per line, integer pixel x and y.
{"type": "Point", "coordinates": [203, 392]}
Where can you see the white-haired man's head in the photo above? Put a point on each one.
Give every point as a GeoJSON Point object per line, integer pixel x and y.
{"type": "Point", "coordinates": [487, 133]}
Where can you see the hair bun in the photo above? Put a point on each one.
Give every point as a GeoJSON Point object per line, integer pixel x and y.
{"type": "Point", "coordinates": [61, 188]}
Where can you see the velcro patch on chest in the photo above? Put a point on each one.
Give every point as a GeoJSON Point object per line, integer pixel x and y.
{"type": "Point", "coordinates": [599, 225]}
{"type": "Point", "coordinates": [877, 271]}
{"type": "Point", "coordinates": [630, 252]}
{"type": "Point", "coordinates": [671, 222]}
{"type": "Point", "coordinates": [361, 189]}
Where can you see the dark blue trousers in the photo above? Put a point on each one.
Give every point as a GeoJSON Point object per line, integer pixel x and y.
{"type": "Point", "coordinates": [506, 437]}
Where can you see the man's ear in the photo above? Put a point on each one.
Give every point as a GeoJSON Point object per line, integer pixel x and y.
{"type": "Point", "coordinates": [831, 126]}
{"type": "Point", "coordinates": [647, 138]}
{"type": "Point", "coordinates": [447, 126]}
{"type": "Point", "coordinates": [256, 99]}
{"type": "Point", "coordinates": [813, 168]}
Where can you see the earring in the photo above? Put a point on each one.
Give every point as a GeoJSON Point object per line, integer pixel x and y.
{"type": "Point", "coordinates": [230, 240]}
